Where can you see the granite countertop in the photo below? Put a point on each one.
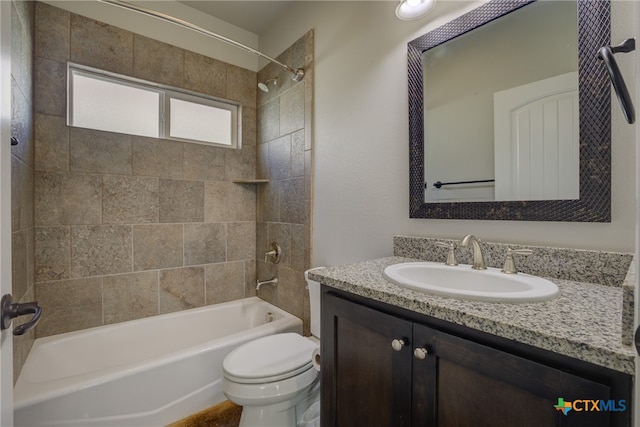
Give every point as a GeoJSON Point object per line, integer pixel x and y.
{"type": "Point", "coordinates": [583, 322]}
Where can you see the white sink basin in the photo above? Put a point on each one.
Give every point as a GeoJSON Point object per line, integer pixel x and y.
{"type": "Point", "coordinates": [466, 283]}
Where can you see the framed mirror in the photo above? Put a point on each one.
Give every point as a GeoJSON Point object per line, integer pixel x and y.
{"type": "Point", "coordinates": [587, 178]}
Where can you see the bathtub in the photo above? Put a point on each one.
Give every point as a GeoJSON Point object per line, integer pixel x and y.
{"type": "Point", "coordinates": [147, 372]}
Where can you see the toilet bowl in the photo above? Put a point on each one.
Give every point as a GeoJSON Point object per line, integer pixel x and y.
{"type": "Point", "coordinates": [273, 377]}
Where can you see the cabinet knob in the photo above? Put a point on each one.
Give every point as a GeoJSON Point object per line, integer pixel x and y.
{"type": "Point", "coordinates": [397, 344]}
{"type": "Point", "coordinates": [420, 353]}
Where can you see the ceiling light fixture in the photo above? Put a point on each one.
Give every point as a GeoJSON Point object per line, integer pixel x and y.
{"type": "Point", "coordinates": [408, 10]}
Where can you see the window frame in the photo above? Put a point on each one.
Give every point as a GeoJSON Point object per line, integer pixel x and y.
{"type": "Point", "coordinates": [166, 93]}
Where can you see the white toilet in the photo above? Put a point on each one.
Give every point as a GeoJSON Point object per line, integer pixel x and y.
{"type": "Point", "coordinates": [273, 377]}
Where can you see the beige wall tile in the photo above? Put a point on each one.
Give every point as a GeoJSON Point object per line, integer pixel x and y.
{"type": "Point", "coordinates": [226, 201]}
{"type": "Point", "coordinates": [250, 278]}
{"type": "Point", "coordinates": [242, 85]}
{"type": "Point", "coordinates": [19, 278]}
{"type": "Point", "coordinates": [181, 201]}
{"type": "Point", "coordinates": [156, 157]}
{"type": "Point", "coordinates": [240, 164]}
{"type": "Point", "coordinates": [51, 143]}
{"type": "Point", "coordinates": [204, 162]}
{"type": "Point", "coordinates": [292, 110]}
{"type": "Point", "coordinates": [100, 250]}
{"type": "Point", "coordinates": [268, 121]}
{"type": "Point", "coordinates": [99, 152]}
{"type": "Point", "coordinates": [308, 182]}
{"type": "Point", "coordinates": [225, 282]}
{"type": "Point", "coordinates": [63, 198]}
{"type": "Point", "coordinates": [157, 61]}
{"type": "Point", "coordinates": [205, 75]}
{"type": "Point", "coordinates": [181, 289]}
{"type": "Point", "coordinates": [53, 36]}
{"type": "Point", "coordinates": [69, 305]}
{"type": "Point", "coordinates": [100, 45]}
{"type": "Point", "coordinates": [297, 153]}
{"type": "Point", "coordinates": [292, 204]}
{"type": "Point", "coordinates": [299, 246]}
{"type": "Point", "coordinates": [280, 158]}
{"type": "Point", "coordinates": [291, 290]}
{"type": "Point", "coordinates": [308, 126]}
{"type": "Point", "coordinates": [129, 199]}
{"type": "Point", "coordinates": [262, 161]}
{"type": "Point", "coordinates": [31, 256]}
{"type": "Point", "coordinates": [157, 246]}
{"type": "Point", "coordinates": [249, 129]}
{"type": "Point", "coordinates": [269, 202]}
{"type": "Point", "coordinates": [241, 241]}
{"type": "Point", "coordinates": [74, 201]}
{"type": "Point", "coordinates": [21, 195]}
{"type": "Point", "coordinates": [262, 240]}
{"type": "Point", "coordinates": [50, 85]}
{"type": "Point", "coordinates": [53, 253]}
{"type": "Point", "coordinates": [205, 243]}
{"type": "Point", "coordinates": [130, 296]}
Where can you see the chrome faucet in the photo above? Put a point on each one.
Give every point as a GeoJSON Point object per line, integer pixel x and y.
{"type": "Point", "coordinates": [478, 257]}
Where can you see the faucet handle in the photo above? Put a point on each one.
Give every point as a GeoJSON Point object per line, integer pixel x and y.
{"type": "Point", "coordinates": [509, 264]}
{"type": "Point", "coordinates": [451, 255]}
{"type": "Point", "coordinates": [273, 254]}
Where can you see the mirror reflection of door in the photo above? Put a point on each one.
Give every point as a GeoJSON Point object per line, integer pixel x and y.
{"type": "Point", "coordinates": [461, 76]}
{"type": "Point", "coordinates": [536, 140]}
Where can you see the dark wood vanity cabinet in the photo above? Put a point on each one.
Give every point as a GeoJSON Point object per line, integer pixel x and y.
{"type": "Point", "coordinates": [431, 376]}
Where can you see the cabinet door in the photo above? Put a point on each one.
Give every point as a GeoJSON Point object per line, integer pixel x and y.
{"type": "Point", "coordinates": [365, 382]}
{"type": "Point", "coordinates": [464, 383]}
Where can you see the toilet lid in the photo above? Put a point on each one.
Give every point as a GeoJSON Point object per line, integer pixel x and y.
{"type": "Point", "coordinates": [269, 358]}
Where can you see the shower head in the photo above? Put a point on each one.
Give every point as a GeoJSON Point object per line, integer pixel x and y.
{"type": "Point", "coordinates": [265, 86]}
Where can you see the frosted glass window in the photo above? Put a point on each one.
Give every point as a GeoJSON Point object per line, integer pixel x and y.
{"type": "Point", "coordinates": [112, 102]}
{"type": "Point", "coordinates": [199, 122]}
{"type": "Point", "coordinates": [112, 106]}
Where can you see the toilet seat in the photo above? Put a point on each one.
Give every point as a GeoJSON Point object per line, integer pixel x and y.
{"type": "Point", "coordinates": [269, 359]}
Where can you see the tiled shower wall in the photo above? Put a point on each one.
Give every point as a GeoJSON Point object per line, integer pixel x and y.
{"type": "Point", "coordinates": [22, 161]}
{"type": "Point", "coordinates": [128, 227]}
{"type": "Point", "coordinates": [285, 158]}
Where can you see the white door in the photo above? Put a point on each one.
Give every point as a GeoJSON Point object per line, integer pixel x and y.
{"type": "Point", "coordinates": [6, 338]}
{"type": "Point", "coordinates": [536, 145]}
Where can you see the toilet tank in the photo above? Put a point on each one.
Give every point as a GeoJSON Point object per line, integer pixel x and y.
{"type": "Point", "coordinates": [314, 303]}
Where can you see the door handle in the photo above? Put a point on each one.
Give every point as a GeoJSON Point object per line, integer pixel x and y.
{"type": "Point", "coordinates": [606, 54]}
{"type": "Point", "coordinates": [10, 310]}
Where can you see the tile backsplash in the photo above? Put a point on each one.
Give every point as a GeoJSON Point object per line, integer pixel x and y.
{"type": "Point", "coordinates": [604, 268]}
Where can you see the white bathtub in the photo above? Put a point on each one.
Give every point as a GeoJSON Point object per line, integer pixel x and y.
{"type": "Point", "coordinates": [147, 372]}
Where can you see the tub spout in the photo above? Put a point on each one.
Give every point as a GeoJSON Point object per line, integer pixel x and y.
{"type": "Point", "coordinates": [273, 282]}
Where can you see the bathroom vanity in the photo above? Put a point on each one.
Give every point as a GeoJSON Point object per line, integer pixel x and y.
{"type": "Point", "coordinates": [396, 357]}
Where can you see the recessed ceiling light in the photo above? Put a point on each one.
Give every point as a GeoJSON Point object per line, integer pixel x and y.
{"type": "Point", "coordinates": [408, 10]}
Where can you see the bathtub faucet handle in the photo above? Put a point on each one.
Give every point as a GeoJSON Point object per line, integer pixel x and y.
{"type": "Point", "coordinates": [273, 253]}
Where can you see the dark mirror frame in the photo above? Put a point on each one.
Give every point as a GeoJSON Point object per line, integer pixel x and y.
{"type": "Point", "coordinates": [594, 204]}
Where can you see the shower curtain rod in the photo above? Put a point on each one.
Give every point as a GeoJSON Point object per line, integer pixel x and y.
{"type": "Point", "coordinates": [298, 73]}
